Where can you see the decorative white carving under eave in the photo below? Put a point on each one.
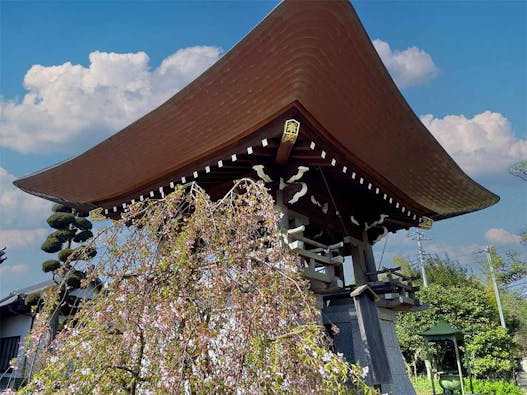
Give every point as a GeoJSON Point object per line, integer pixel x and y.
{"type": "Point", "coordinates": [282, 184]}
{"type": "Point", "coordinates": [315, 201]}
{"type": "Point", "coordinates": [376, 223]}
{"type": "Point", "coordinates": [324, 207]}
{"type": "Point", "coordinates": [261, 173]}
{"type": "Point", "coordinates": [298, 175]}
{"type": "Point", "coordinates": [354, 221]}
{"type": "Point", "coordinates": [382, 235]}
{"type": "Point", "coordinates": [299, 194]}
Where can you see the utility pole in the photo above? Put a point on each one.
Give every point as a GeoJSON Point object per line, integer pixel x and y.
{"type": "Point", "coordinates": [421, 259]}
{"type": "Point", "coordinates": [496, 290]}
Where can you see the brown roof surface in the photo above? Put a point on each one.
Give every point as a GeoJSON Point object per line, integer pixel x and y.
{"type": "Point", "coordinates": [313, 55]}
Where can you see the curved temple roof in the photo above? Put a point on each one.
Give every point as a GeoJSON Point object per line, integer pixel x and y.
{"type": "Point", "coordinates": [312, 56]}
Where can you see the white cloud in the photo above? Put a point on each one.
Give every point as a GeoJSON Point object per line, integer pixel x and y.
{"type": "Point", "coordinates": [68, 106]}
{"type": "Point", "coordinates": [19, 268]}
{"type": "Point", "coordinates": [483, 144]}
{"type": "Point", "coordinates": [463, 253]}
{"type": "Point", "coordinates": [20, 238]}
{"type": "Point", "coordinates": [410, 67]}
{"type": "Point", "coordinates": [18, 209]}
{"type": "Point", "coordinates": [501, 236]}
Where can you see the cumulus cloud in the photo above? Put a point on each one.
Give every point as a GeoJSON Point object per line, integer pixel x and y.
{"type": "Point", "coordinates": [69, 106]}
{"type": "Point", "coordinates": [20, 268]}
{"type": "Point", "coordinates": [501, 236]}
{"type": "Point", "coordinates": [19, 210]}
{"type": "Point", "coordinates": [483, 144]}
{"type": "Point", "coordinates": [409, 67]}
{"type": "Point", "coordinates": [463, 253]}
{"type": "Point", "coordinates": [21, 238]}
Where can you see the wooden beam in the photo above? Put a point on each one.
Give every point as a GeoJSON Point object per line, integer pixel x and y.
{"type": "Point", "coordinates": [289, 136]}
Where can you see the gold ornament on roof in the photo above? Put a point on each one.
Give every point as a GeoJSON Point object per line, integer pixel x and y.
{"type": "Point", "coordinates": [97, 215]}
{"type": "Point", "coordinates": [425, 222]}
{"type": "Point", "coordinates": [291, 129]}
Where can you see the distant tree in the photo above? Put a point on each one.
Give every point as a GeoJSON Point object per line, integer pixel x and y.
{"type": "Point", "coordinates": [70, 227]}
{"type": "Point", "coordinates": [492, 352]}
{"type": "Point", "coordinates": [446, 272]}
{"type": "Point", "coordinates": [511, 270]}
{"type": "Point", "coordinates": [460, 299]}
{"type": "Point", "coordinates": [511, 274]}
{"type": "Point", "coordinates": [406, 266]}
{"type": "Point", "coordinates": [520, 170]}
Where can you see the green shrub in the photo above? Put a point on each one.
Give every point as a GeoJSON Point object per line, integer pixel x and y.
{"type": "Point", "coordinates": [50, 265]}
{"type": "Point", "coordinates": [51, 245]}
{"type": "Point", "coordinates": [83, 223]}
{"type": "Point", "coordinates": [64, 254]}
{"type": "Point", "coordinates": [63, 235]}
{"type": "Point", "coordinates": [32, 299]}
{"type": "Point", "coordinates": [73, 281]}
{"type": "Point", "coordinates": [491, 351]}
{"type": "Point", "coordinates": [85, 252]}
{"type": "Point", "coordinates": [495, 387]}
{"type": "Point", "coordinates": [60, 208]}
{"type": "Point", "coordinates": [83, 236]}
{"type": "Point", "coordinates": [60, 220]}
{"type": "Point", "coordinates": [484, 387]}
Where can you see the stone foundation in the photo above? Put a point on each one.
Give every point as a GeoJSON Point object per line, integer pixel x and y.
{"type": "Point", "coordinates": [341, 312]}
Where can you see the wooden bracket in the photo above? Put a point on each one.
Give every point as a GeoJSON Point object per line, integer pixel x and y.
{"type": "Point", "coordinates": [289, 136]}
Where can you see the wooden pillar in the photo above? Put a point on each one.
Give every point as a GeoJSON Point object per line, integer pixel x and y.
{"type": "Point", "coordinates": [458, 360]}
{"type": "Point", "coordinates": [369, 257]}
{"type": "Point", "coordinates": [359, 265]}
{"type": "Point", "coordinates": [371, 335]}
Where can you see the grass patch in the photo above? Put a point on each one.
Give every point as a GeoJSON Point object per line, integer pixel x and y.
{"type": "Point", "coordinates": [484, 387]}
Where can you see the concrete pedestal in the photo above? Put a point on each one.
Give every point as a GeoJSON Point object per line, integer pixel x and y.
{"type": "Point", "coordinates": [341, 312]}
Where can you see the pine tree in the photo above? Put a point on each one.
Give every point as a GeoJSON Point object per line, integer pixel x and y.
{"type": "Point", "coordinates": [70, 226]}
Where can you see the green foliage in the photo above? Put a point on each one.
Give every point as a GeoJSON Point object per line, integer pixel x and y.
{"type": "Point", "coordinates": [51, 245]}
{"type": "Point", "coordinates": [64, 254]}
{"type": "Point", "coordinates": [520, 170]}
{"type": "Point", "coordinates": [511, 271]}
{"type": "Point", "coordinates": [460, 299]}
{"type": "Point", "coordinates": [84, 253]}
{"type": "Point", "coordinates": [495, 387]}
{"type": "Point", "coordinates": [448, 273]}
{"type": "Point", "coordinates": [481, 386]}
{"type": "Point", "coordinates": [50, 265]}
{"type": "Point", "coordinates": [60, 208]}
{"type": "Point", "coordinates": [74, 279]}
{"type": "Point", "coordinates": [490, 352]}
{"type": "Point", "coordinates": [83, 223]}
{"type": "Point", "coordinates": [89, 252]}
{"type": "Point", "coordinates": [83, 236]}
{"type": "Point", "coordinates": [63, 235]}
{"type": "Point", "coordinates": [60, 220]}
{"type": "Point", "coordinates": [32, 299]}
{"type": "Point", "coordinates": [510, 268]}
{"type": "Point", "coordinates": [406, 266]}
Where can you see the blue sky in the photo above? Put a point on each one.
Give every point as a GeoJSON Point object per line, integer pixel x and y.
{"type": "Point", "coordinates": [461, 66]}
